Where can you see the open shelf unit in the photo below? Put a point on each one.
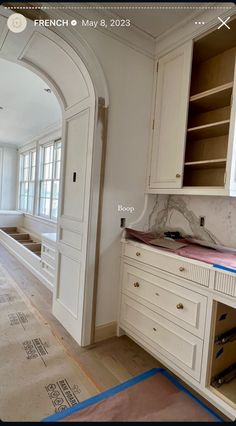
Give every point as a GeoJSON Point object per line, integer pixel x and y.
{"type": "Point", "coordinates": [210, 130]}
{"type": "Point", "coordinates": [218, 96]}
{"type": "Point", "coordinates": [206, 163]}
{"type": "Point", "coordinates": [209, 110]}
{"type": "Point", "coordinates": [223, 366]}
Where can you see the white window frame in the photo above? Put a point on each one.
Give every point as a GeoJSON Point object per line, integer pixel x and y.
{"type": "Point", "coordinates": [29, 181]}
{"type": "Point", "coordinates": [45, 139]}
{"type": "Point", "coordinates": [51, 179]}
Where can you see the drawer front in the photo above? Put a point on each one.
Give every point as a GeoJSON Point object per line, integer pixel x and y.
{"type": "Point", "coordinates": [48, 271]}
{"type": "Point", "coordinates": [169, 264]}
{"type": "Point", "coordinates": [176, 345]}
{"type": "Point", "coordinates": [182, 306]}
{"type": "Point", "coordinates": [225, 283]}
{"type": "Point", "coordinates": [48, 254]}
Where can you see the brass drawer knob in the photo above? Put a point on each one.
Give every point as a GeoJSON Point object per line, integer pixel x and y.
{"type": "Point", "coordinates": [138, 253]}
{"type": "Point", "coordinates": [178, 175]}
{"type": "Point", "coordinates": [181, 269]}
{"type": "Point", "coordinates": [154, 329]}
{"type": "Point", "coordinates": [180, 306]}
{"type": "Point", "coordinates": [136, 284]}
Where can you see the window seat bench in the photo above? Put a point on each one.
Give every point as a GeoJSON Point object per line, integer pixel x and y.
{"type": "Point", "coordinates": [29, 249]}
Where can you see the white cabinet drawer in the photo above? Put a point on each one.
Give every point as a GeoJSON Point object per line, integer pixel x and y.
{"type": "Point", "coordinates": [48, 254]}
{"type": "Point", "coordinates": [169, 264]}
{"type": "Point", "coordinates": [48, 271]}
{"type": "Point", "coordinates": [225, 283]}
{"type": "Point", "coordinates": [182, 306]}
{"type": "Point", "coordinates": [174, 344]}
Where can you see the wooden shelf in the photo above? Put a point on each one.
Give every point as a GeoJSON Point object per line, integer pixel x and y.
{"type": "Point", "coordinates": [215, 98]}
{"type": "Point", "coordinates": [219, 128]}
{"type": "Point", "coordinates": [220, 162]}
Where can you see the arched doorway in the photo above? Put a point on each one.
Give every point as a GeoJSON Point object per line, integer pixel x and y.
{"type": "Point", "coordinates": [83, 123]}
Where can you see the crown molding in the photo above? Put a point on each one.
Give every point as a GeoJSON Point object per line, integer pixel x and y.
{"type": "Point", "coordinates": [130, 36]}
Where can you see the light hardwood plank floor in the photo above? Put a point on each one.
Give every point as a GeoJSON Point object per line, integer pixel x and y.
{"type": "Point", "coordinates": [107, 363]}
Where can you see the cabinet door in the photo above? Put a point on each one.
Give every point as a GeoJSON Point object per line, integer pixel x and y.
{"type": "Point", "coordinates": [171, 111]}
{"type": "Point", "coordinates": [230, 175]}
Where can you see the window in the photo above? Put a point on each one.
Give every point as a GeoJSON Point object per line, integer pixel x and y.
{"type": "Point", "coordinates": [49, 179]}
{"type": "Point", "coordinates": [27, 181]}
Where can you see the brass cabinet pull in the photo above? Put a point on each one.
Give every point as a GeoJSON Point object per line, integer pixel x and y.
{"type": "Point", "coordinates": [137, 253]}
{"type": "Point", "coordinates": [154, 329]}
{"type": "Point", "coordinates": [181, 269]}
{"type": "Point", "coordinates": [178, 175]}
{"type": "Point", "coordinates": [136, 284]}
{"type": "Point", "coordinates": [180, 306]}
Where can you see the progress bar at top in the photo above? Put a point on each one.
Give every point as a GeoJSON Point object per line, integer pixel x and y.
{"type": "Point", "coordinates": [121, 7]}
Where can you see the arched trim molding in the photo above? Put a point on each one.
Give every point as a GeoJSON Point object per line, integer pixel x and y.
{"type": "Point", "coordinates": [76, 77]}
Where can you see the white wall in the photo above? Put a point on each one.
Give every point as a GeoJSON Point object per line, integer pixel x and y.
{"type": "Point", "coordinates": [129, 76]}
{"type": "Point", "coordinates": [38, 225]}
{"type": "Point", "coordinates": [11, 218]}
{"type": "Point", "coordinates": [8, 173]}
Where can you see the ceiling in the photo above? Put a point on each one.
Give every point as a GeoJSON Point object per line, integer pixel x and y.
{"type": "Point", "coordinates": [157, 18]}
{"type": "Point", "coordinates": [27, 108]}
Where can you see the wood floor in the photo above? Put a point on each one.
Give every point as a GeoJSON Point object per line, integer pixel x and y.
{"type": "Point", "coordinates": [107, 363]}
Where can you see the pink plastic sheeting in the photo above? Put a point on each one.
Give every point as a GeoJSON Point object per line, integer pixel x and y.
{"type": "Point", "coordinates": [154, 399]}
{"type": "Point", "coordinates": [191, 251]}
{"type": "Point", "coordinates": [208, 255]}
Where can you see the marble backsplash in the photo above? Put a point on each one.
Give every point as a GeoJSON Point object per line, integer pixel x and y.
{"type": "Point", "coordinates": [182, 213]}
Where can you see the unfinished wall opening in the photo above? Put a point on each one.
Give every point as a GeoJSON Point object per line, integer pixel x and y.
{"type": "Point", "coordinates": [30, 147]}
{"type": "Point", "coordinates": [223, 366]}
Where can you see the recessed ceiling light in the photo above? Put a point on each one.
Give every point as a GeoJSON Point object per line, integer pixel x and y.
{"type": "Point", "coordinates": [47, 90]}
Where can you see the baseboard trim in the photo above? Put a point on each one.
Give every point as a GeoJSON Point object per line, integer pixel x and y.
{"type": "Point", "coordinates": [105, 331]}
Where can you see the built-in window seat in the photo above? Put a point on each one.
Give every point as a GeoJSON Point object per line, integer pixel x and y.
{"type": "Point", "coordinates": [28, 248]}
{"type": "Point", "coordinates": [24, 238]}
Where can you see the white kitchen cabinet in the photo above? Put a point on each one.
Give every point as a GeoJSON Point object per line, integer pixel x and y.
{"type": "Point", "coordinates": [174, 70]}
{"type": "Point", "coordinates": [194, 142]}
{"type": "Point", "coordinates": [176, 308]}
{"type": "Point", "coordinates": [179, 347]}
{"type": "Point", "coordinates": [48, 257]}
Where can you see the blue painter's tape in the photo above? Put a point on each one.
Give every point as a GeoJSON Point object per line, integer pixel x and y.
{"type": "Point", "coordinates": [101, 396]}
{"type": "Point", "coordinates": [225, 268]}
{"type": "Point", "coordinates": [110, 392]}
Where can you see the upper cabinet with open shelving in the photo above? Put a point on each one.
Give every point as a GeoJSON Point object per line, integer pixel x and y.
{"type": "Point", "coordinates": [194, 137]}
